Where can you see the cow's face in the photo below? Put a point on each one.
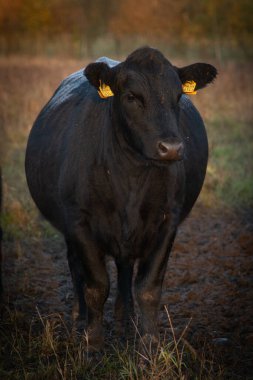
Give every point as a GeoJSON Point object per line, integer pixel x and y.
{"type": "Point", "coordinates": [147, 91]}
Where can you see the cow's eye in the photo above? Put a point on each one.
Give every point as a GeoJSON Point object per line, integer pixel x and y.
{"type": "Point", "coordinates": [135, 100]}
{"type": "Point", "coordinates": [131, 98]}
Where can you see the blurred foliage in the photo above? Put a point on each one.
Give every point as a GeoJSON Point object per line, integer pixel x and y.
{"type": "Point", "coordinates": [81, 23]}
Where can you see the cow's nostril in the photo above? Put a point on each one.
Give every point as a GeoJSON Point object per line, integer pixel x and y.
{"type": "Point", "coordinates": [170, 151]}
{"type": "Point", "coordinates": [163, 149]}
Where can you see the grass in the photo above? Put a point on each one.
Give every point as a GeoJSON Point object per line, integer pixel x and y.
{"type": "Point", "coordinates": [227, 112]}
{"type": "Point", "coordinates": [44, 348]}
{"type": "Point", "coordinates": [35, 346]}
{"type": "Point", "coordinates": [230, 169]}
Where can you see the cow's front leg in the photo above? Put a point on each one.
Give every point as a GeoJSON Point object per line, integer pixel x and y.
{"type": "Point", "coordinates": [124, 308]}
{"type": "Point", "coordinates": [91, 282]}
{"type": "Point", "coordinates": [148, 285]}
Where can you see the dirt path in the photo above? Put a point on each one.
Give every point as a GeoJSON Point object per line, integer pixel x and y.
{"type": "Point", "coordinates": [208, 284]}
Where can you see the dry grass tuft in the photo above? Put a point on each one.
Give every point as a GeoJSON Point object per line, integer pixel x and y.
{"type": "Point", "coordinates": [44, 348]}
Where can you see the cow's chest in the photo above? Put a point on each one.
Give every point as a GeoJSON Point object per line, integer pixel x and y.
{"type": "Point", "coordinates": [127, 211]}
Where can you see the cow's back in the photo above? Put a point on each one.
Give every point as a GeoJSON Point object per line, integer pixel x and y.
{"type": "Point", "coordinates": [48, 144]}
{"type": "Point", "coordinates": [60, 142]}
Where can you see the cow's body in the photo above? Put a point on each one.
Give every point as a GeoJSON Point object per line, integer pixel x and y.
{"type": "Point", "coordinates": [106, 197]}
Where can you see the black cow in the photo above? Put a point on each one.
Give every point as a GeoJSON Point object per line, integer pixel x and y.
{"type": "Point", "coordinates": [117, 173]}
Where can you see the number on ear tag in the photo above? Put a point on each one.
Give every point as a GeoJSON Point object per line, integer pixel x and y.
{"type": "Point", "coordinates": [104, 91]}
{"type": "Point", "coordinates": [189, 87]}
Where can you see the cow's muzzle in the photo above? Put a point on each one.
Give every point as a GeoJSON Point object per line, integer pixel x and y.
{"type": "Point", "coordinates": [170, 150]}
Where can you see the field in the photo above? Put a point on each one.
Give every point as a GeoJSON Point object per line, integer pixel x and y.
{"type": "Point", "coordinates": [206, 311]}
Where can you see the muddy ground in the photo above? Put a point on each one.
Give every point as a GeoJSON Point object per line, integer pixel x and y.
{"type": "Point", "coordinates": [208, 284]}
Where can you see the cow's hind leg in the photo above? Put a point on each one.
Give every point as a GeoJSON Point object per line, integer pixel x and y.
{"type": "Point", "coordinates": [91, 284]}
{"type": "Point", "coordinates": [77, 274]}
{"type": "Point", "coordinates": [124, 308]}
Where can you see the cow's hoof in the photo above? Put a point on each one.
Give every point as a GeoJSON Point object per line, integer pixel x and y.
{"type": "Point", "coordinates": [94, 339]}
{"type": "Point", "coordinates": [149, 343]}
{"type": "Point", "coordinates": [78, 327]}
{"type": "Point", "coordinates": [125, 328]}
{"type": "Point", "coordinates": [94, 356]}
{"type": "Point", "coordinates": [76, 314]}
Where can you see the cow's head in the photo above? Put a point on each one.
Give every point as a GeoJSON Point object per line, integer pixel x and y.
{"type": "Point", "coordinates": [147, 89]}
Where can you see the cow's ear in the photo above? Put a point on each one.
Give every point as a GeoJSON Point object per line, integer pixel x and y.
{"type": "Point", "coordinates": [200, 73]}
{"type": "Point", "coordinates": [98, 73]}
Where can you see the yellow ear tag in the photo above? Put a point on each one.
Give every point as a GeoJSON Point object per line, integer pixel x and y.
{"type": "Point", "coordinates": [189, 87]}
{"type": "Point", "coordinates": [104, 90]}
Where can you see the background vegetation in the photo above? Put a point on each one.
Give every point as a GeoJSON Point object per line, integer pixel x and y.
{"type": "Point", "coordinates": [86, 28]}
